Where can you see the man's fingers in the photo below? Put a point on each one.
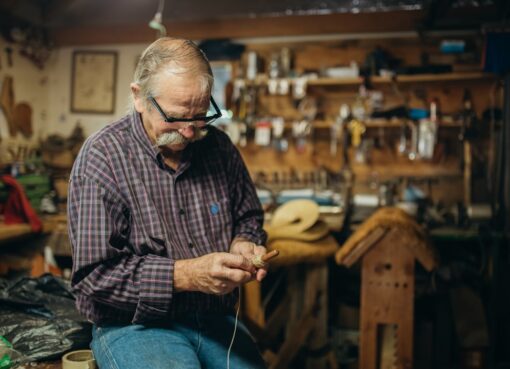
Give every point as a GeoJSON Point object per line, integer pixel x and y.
{"type": "Point", "coordinates": [239, 262]}
{"type": "Point", "coordinates": [237, 276]}
{"type": "Point", "coordinates": [261, 274]}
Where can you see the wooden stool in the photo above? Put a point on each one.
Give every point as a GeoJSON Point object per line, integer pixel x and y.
{"type": "Point", "coordinates": [388, 243]}
{"type": "Point", "coordinates": [303, 312]}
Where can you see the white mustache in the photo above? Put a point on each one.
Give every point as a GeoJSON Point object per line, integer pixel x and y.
{"type": "Point", "coordinates": [175, 138]}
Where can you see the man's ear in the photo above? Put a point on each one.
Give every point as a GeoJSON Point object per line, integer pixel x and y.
{"type": "Point", "coordinates": [137, 98]}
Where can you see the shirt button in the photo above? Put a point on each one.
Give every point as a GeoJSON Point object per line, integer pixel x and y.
{"type": "Point", "coordinates": [190, 245]}
{"type": "Point", "coordinates": [181, 212]}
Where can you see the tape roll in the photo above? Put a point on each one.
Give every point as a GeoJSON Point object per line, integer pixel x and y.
{"type": "Point", "coordinates": [81, 359]}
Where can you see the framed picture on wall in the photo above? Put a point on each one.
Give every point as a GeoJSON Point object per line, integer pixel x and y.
{"type": "Point", "coordinates": [93, 81]}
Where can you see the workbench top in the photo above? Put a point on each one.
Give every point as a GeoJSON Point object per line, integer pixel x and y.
{"type": "Point", "coordinates": [10, 232]}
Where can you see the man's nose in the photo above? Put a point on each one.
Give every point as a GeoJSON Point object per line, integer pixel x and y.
{"type": "Point", "coordinates": [188, 131]}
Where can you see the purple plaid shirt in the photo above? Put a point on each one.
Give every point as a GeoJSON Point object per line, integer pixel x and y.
{"type": "Point", "coordinates": [131, 217]}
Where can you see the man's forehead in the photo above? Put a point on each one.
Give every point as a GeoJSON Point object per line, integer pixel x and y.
{"type": "Point", "coordinates": [178, 106]}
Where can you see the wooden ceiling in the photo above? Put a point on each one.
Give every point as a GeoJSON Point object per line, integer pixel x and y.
{"type": "Point", "coordinates": [116, 21]}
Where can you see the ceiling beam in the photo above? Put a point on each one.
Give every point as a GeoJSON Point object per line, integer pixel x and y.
{"type": "Point", "coordinates": [396, 21]}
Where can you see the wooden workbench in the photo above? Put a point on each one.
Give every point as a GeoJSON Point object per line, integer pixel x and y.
{"type": "Point", "coordinates": [21, 249]}
{"type": "Point", "coordinates": [14, 232]}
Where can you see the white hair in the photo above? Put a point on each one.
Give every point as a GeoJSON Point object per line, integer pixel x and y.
{"type": "Point", "coordinates": [174, 56]}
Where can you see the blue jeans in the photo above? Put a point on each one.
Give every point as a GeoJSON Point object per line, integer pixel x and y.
{"type": "Point", "coordinates": [194, 341]}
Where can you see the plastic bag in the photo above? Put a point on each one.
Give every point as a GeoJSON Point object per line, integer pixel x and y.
{"type": "Point", "coordinates": [8, 356]}
{"type": "Point", "coordinates": [39, 318]}
{"type": "Point", "coordinates": [5, 353]}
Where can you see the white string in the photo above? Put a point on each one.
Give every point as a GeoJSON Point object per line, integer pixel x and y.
{"type": "Point", "coordinates": [235, 330]}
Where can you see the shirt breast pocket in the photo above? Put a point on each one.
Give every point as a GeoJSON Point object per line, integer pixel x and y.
{"type": "Point", "coordinates": [218, 222]}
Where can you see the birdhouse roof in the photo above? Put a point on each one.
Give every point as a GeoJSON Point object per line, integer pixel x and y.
{"type": "Point", "coordinates": [376, 227]}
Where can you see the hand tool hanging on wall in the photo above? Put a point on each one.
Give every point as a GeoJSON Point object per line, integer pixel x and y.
{"type": "Point", "coordinates": [427, 136]}
{"type": "Point", "coordinates": [7, 103]}
{"type": "Point", "coordinates": [356, 125]}
{"type": "Point", "coordinates": [303, 130]}
{"type": "Point", "coordinates": [338, 128]}
{"type": "Point", "coordinates": [243, 134]}
{"type": "Point", "coordinates": [468, 117]}
{"type": "Point", "coordinates": [413, 149]}
{"type": "Point", "coordinates": [408, 146]}
{"type": "Point", "coordinates": [300, 130]}
{"type": "Point", "coordinates": [280, 143]}
{"type": "Point", "coordinates": [402, 142]}
{"type": "Point", "coordinates": [357, 129]}
{"type": "Point", "coordinates": [22, 119]}
{"type": "Point", "coordinates": [493, 118]}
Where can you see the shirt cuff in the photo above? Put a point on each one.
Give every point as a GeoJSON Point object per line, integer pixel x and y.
{"type": "Point", "coordinates": [258, 238]}
{"type": "Point", "coordinates": [156, 288]}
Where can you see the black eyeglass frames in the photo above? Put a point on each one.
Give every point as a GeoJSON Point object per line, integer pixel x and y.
{"type": "Point", "coordinates": [200, 119]}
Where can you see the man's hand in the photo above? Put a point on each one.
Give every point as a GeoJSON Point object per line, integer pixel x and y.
{"type": "Point", "coordinates": [217, 273]}
{"type": "Point", "coordinates": [250, 250]}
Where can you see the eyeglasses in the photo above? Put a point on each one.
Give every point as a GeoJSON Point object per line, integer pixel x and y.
{"type": "Point", "coordinates": [200, 120]}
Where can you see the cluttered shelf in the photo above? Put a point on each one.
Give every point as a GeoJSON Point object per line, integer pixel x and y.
{"type": "Point", "coordinates": [420, 169]}
{"type": "Point", "coordinates": [401, 78]}
{"type": "Point", "coordinates": [439, 77]}
{"type": "Point", "coordinates": [386, 123]}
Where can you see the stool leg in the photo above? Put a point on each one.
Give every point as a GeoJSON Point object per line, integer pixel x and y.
{"type": "Point", "coordinates": [252, 304]}
{"type": "Point", "coordinates": [317, 285]}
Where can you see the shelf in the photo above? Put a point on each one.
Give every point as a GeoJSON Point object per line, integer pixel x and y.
{"type": "Point", "coordinates": [403, 79]}
{"type": "Point", "coordinates": [399, 169]}
{"type": "Point", "coordinates": [353, 81]}
{"type": "Point", "coordinates": [381, 123]}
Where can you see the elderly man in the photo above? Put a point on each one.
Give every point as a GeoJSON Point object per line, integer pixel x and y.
{"type": "Point", "coordinates": [164, 222]}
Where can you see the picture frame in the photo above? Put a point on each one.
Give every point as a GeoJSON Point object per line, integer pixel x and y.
{"type": "Point", "coordinates": [93, 81]}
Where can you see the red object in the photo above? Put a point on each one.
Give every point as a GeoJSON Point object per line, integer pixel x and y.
{"type": "Point", "coordinates": [17, 208]}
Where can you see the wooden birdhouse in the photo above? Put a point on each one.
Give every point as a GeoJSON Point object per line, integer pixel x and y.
{"type": "Point", "coordinates": [388, 244]}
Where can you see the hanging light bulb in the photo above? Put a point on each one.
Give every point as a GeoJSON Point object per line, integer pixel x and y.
{"type": "Point", "coordinates": [157, 22]}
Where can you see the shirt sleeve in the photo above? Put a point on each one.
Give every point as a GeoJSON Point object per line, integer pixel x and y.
{"type": "Point", "coordinates": [247, 211]}
{"type": "Point", "coordinates": [105, 269]}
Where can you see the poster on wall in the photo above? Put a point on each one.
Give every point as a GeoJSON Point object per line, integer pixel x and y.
{"type": "Point", "coordinates": [93, 82]}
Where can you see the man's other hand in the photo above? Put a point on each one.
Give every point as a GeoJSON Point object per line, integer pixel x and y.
{"type": "Point", "coordinates": [250, 250]}
{"type": "Point", "coordinates": [216, 273]}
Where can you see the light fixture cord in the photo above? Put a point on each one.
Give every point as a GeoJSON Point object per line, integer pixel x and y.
{"type": "Point", "coordinates": [161, 6]}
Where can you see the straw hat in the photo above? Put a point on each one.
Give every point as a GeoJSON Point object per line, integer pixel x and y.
{"type": "Point", "coordinates": [299, 220]}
